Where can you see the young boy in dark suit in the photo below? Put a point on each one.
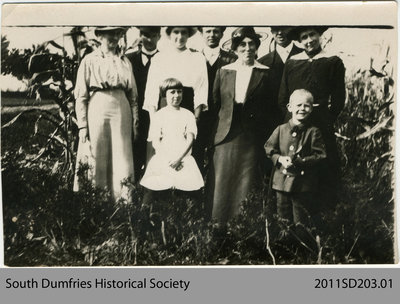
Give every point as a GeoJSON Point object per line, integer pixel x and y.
{"type": "Point", "coordinates": [296, 149]}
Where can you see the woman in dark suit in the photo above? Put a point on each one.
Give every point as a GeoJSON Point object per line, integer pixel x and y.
{"type": "Point", "coordinates": [242, 105]}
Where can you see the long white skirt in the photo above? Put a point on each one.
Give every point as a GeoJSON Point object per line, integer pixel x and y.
{"type": "Point", "coordinates": [110, 135]}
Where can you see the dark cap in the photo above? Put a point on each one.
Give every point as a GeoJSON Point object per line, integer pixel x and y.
{"type": "Point", "coordinates": [150, 29]}
{"type": "Point", "coordinates": [281, 27]}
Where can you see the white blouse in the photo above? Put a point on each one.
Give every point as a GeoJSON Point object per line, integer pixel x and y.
{"type": "Point", "coordinates": [243, 75]}
{"type": "Point", "coordinates": [100, 72]}
{"type": "Point", "coordinates": [189, 67]}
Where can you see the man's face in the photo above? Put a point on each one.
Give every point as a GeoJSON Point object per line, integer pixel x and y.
{"type": "Point", "coordinates": [149, 40]}
{"type": "Point", "coordinates": [280, 35]}
{"type": "Point", "coordinates": [212, 36]}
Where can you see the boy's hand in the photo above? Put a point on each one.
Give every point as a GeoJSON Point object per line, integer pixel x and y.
{"type": "Point", "coordinates": [285, 161]}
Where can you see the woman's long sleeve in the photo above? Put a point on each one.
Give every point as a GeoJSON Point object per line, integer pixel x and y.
{"type": "Point", "coordinates": [132, 96]}
{"type": "Point", "coordinates": [283, 97]}
{"type": "Point", "coordinates": [201, 85]}
{"type": "Point", "coordinates": [152, 91]}
{"type": "Point", "coordinates": [338, 94]}
{"type": "Point", "coordinates": [81, 94]}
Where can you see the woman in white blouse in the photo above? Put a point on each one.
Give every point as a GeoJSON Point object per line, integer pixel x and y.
{"type": "Point", "coordinates": [106, 110]}
{"type": "Point", "coordinates": [242, 97]}
{"type": "Point", "coordinates": [184, 64]}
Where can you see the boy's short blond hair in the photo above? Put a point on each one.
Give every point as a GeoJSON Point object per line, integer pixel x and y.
{"type": "Point", "coordinates": [302, 93]}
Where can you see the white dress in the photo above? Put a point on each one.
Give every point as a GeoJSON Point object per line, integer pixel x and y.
{"type": "Point", "coordinates": [189, 67]}
{"type": "Point", "coordinates": [172, 126]}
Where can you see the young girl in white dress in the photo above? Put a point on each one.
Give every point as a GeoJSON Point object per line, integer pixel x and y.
{"type": "Point", "coordinates": [172, 133]}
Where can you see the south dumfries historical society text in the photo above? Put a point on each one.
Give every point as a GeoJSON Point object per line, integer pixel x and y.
{"type": "Point", "coordinates": [98, 283]}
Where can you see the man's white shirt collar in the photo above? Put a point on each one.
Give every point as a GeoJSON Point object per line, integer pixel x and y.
{"type": "Point", "coordinates": [284, 51]}
{"type": "Point", "coordinates": [211, 54]}
{"type": "Point", "coordinates": [146, 52]}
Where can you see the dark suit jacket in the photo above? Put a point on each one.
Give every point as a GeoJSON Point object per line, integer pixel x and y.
{"type": "Point", "coordinates": [140, 72]}
{"type": "Point", "coordinates": [256, 108]}
{"type": "Point", "coordinates": [206, 122]}
{"type": "Point", "coordinates": [275, 63]}
{"type": "Point", "coordinates": [305, 146]}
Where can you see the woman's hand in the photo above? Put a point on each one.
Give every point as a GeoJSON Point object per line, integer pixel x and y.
{"type": "Point", "coordinates": [83, 135]}
{"type": "Point", "coordinates": [197, 112]}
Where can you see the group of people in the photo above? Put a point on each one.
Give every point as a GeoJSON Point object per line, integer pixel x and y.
{"type": "Point", "coordinates": [186, 119]}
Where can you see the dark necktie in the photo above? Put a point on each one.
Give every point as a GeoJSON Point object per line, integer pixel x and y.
{"type": "Point", "coordinates": [149, 58]}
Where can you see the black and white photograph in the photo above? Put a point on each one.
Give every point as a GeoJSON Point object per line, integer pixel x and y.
{"type": "Point", "coordinates": [208, 138]}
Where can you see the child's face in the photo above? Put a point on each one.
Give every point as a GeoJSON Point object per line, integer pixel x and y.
{"type": "Point", "coordinates": [174, 97]}
{"type": "Point", "coordinates": [300, 108]}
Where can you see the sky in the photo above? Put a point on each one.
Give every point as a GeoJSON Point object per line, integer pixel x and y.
{"type": "Point", "coordinates": [354, 46]}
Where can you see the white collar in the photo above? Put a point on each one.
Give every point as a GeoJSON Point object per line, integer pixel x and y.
{"type": "Point", "coordinates": [99, 52]}
{"type": "Point", "coordinates": [150, 53]}
{"type": "Point", "coordinates": [286, 49]}
{"type": "Point", "coordinates": [303, 56]}
{"type": "Point", "coordinates": [237, 66]}
{"type": "Point", "coordinates": [211, 51]}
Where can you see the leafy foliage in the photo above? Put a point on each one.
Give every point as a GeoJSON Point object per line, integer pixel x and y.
{"type": "Point", "coordinates": [50, 75]}
{"type": "Point", "coordinates": [366, 133]}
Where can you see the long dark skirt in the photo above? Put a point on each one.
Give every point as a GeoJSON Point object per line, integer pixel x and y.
{"type": "Point", "coordinates": [233, 172]}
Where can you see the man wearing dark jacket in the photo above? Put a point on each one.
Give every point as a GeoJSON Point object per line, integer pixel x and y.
{"type": "Point", "coordinates": [141, 60]}
{"type": "Point", "coordinates": [275, 60]}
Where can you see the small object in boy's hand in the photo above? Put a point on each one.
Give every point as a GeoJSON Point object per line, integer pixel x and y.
{"type": "Point", "coordinates": [286, 161]}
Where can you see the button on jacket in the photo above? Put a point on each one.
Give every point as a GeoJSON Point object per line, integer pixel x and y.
{"type": "Point", "coordinates": [304, 144]}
